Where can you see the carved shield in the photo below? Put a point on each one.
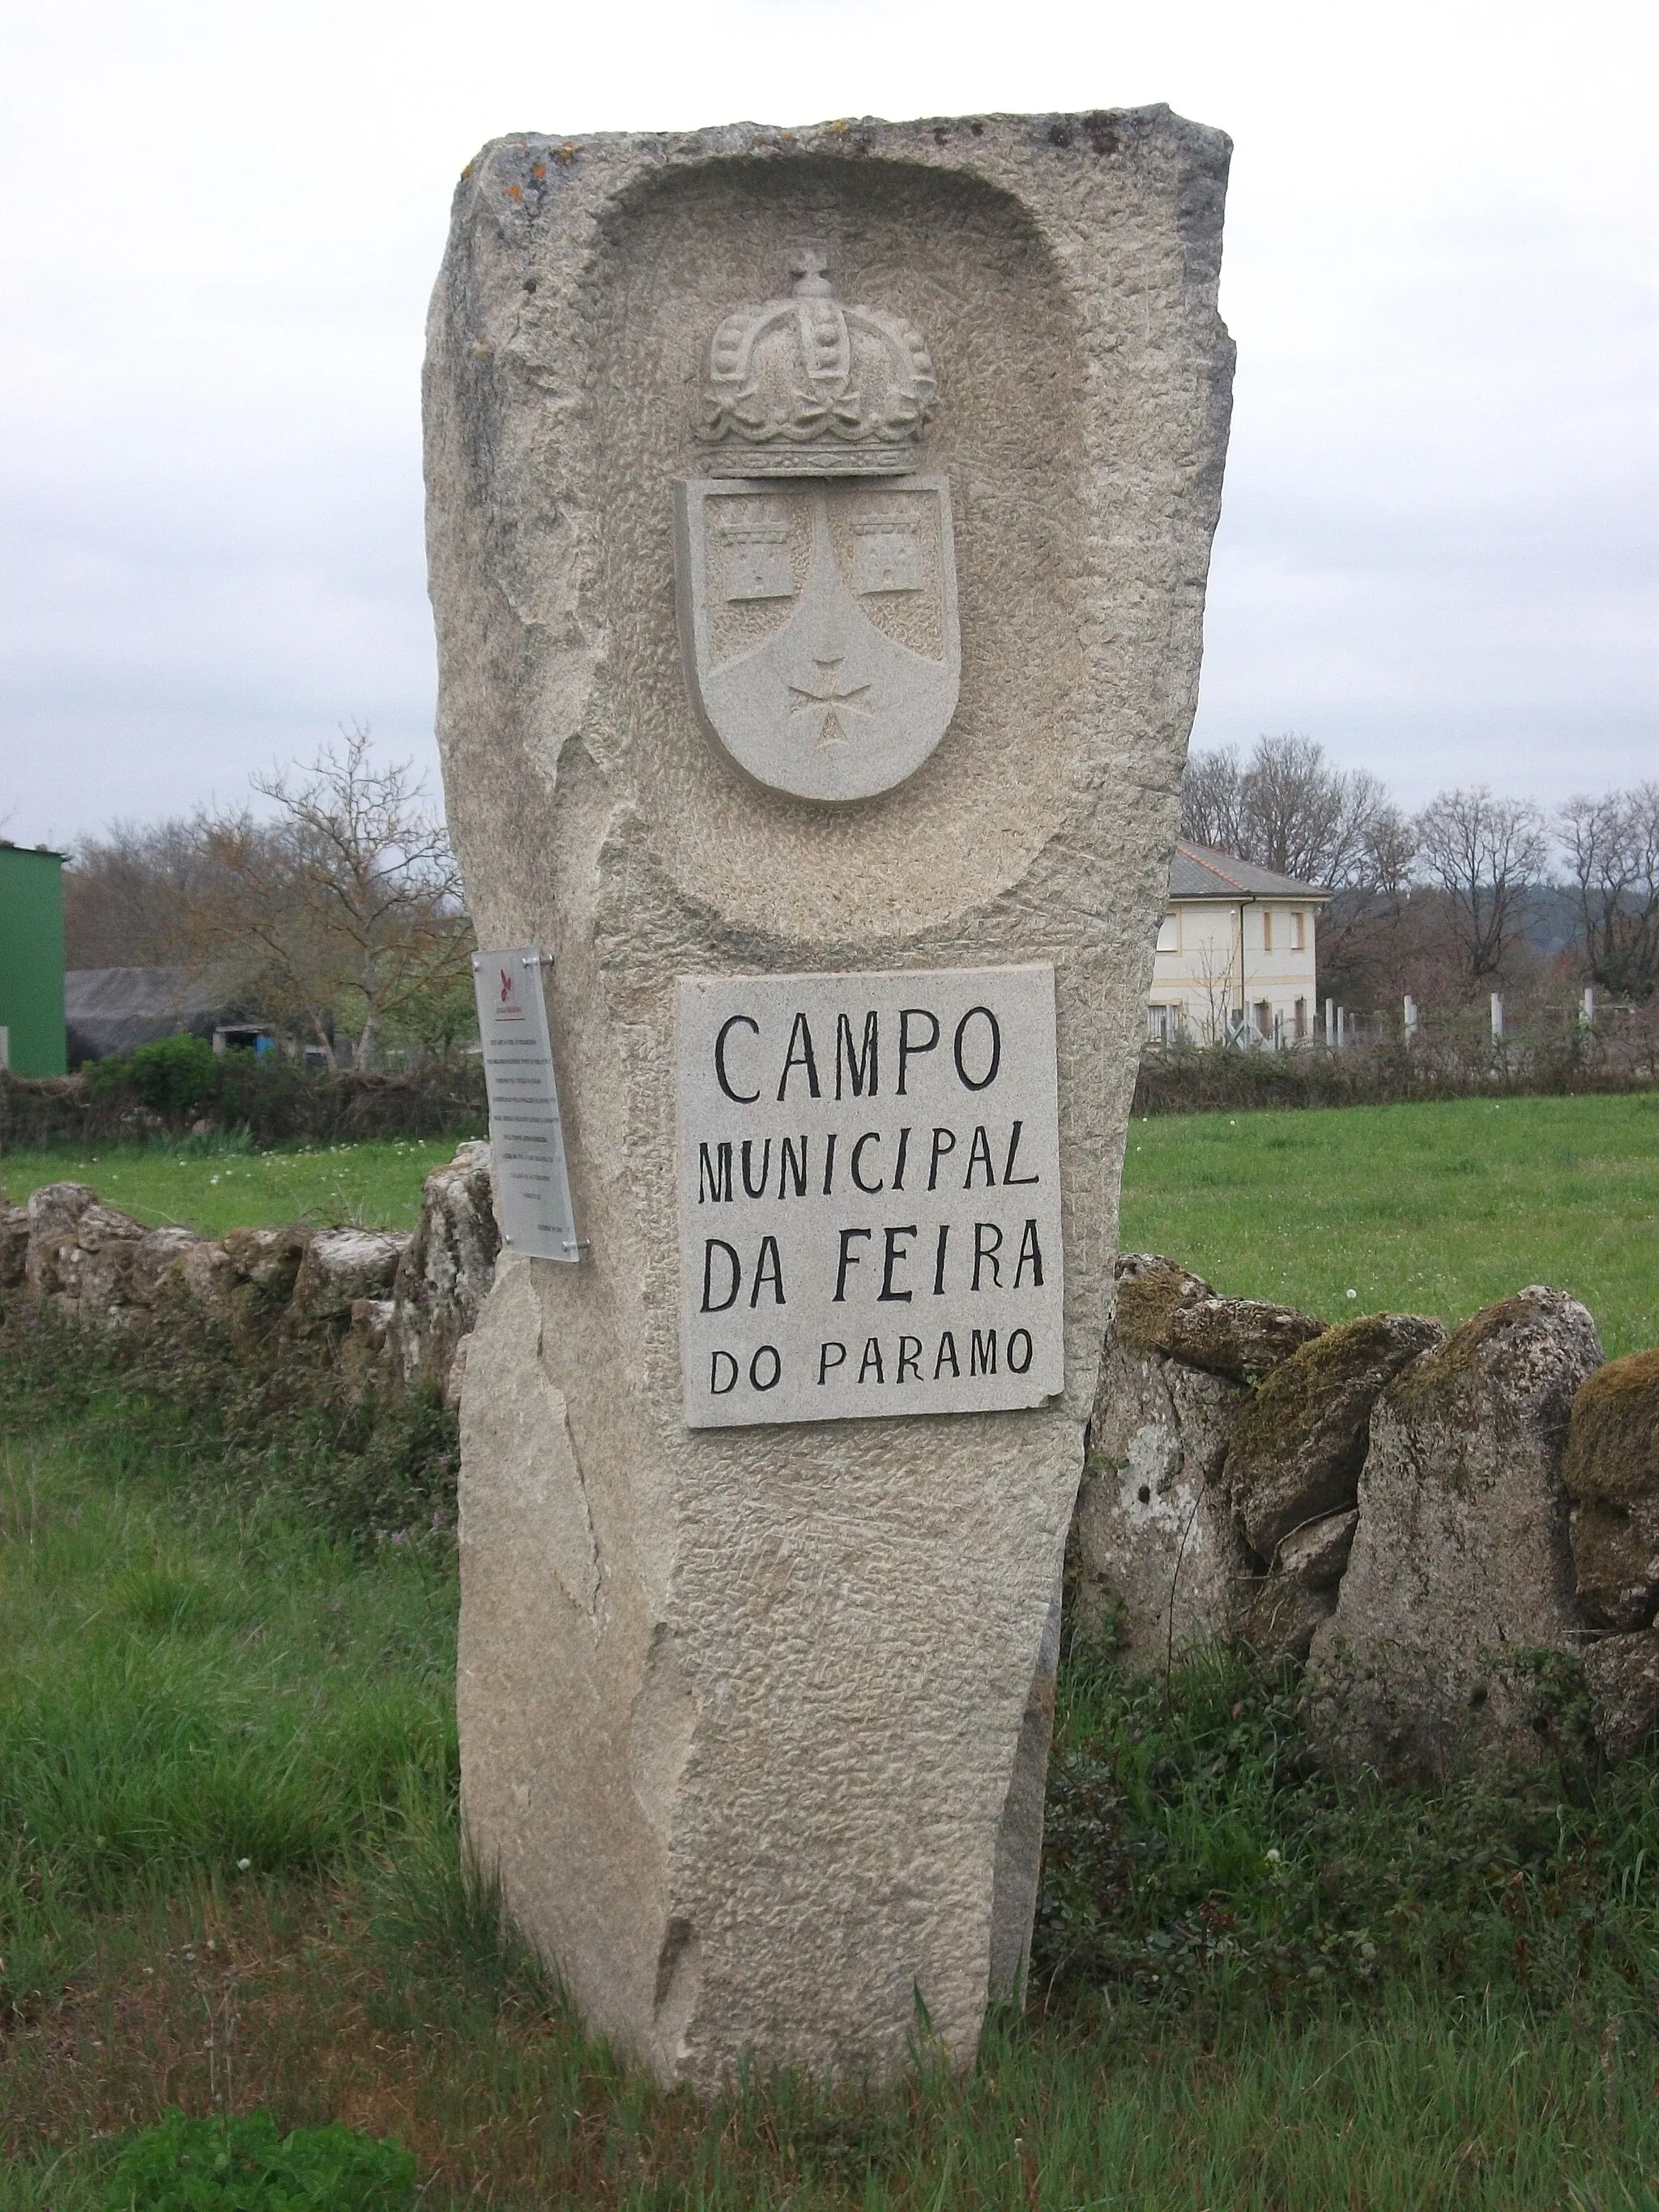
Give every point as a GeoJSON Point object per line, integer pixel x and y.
{"type": "Point", "coordinates": [818, 620]}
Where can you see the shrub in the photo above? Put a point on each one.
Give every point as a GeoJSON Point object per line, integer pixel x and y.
{"type": "Point", "coordinates": [1453, 1058]}
{"type": "Point", "coordinates": [275, 1101]}
{"type": "Point", "coordinates": [172, 1078]}
{"type": "Point", "coordinates": [240, 2165]}
{"type": "Point", "coordinates": [175, 1076]}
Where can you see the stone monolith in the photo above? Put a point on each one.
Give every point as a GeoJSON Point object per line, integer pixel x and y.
{"type": "Point", "coordinates": [819, 527]}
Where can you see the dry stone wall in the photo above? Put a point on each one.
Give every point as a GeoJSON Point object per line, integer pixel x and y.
{"type": "Point", "coordinates": [390, 1310]}
{"type": "Point", "coordinates": [1446, 1529]}
{"type": "Point", "coordinates": [1426, 1520]}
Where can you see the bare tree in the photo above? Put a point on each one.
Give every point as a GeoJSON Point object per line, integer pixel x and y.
{"type": "Point", "coordinates": [1612, 847]}
{"type": "Point", "coordinates": [1218, 976]}
{"type": "Point", "coordinates": [348, 905]}
{"type": "Point", "coordinates": [1485, 854]}
{"type": "Point", "coordinates": [1390, 855]}
{"type": "Point", "coordinates": [1211, 799]}
{"type": "Point", "coordinates": [132, 896]}
{"type": "Point", "coordinates": [1304, 817]}
{"type": "Point", "coordinates": [1360, 931]}
{"type": "Point", "coordinates": [1288, 809]}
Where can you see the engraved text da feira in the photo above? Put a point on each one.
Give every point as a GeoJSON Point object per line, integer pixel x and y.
{"type": "Point", "coordinates": [869, 1194]}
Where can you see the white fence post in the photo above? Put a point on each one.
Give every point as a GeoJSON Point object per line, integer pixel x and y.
{"type": "Point", "coordinates": [1330, 1024]}
{"type": "Point", "coordinates": [1411, 1019]}
{"type": "Point", "coordinates": [1587, 1015]}
{"type": "Point", "coordinates": [1498, 1017]}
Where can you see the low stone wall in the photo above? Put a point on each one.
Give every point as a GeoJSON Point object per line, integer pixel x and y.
{"type": "Point", "coordinates": [388, 1311]}
{"type": "Point", "coordinates": [1459, 1535]}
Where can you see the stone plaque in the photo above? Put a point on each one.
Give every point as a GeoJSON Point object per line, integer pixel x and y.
{"type": "Point", "coordinates": [533, 1183]}
{"type": "Point", "coordinates": [869, 1194]}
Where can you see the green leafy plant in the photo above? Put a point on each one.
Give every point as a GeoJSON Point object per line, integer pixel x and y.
{"type": "Point", "coordinates": [1197, 1860]}
{"type": "Point", "coordinates": [241, 2164]}
{"type": "Point", "coordinates": [175, 1076]}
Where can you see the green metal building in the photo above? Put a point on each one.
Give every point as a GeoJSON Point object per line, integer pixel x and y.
{"type": "Point", "coordinates": [32, 958]}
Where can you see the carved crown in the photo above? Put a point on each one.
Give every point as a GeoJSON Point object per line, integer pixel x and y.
{"type": "Point", "coordinates": [807, 387]}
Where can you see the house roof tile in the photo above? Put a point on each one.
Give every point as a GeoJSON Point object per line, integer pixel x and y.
{"type": "Point", "coordinates": [1197, 872]}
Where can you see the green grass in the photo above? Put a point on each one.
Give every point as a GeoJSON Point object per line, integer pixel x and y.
{"type": "Point", "coordinates": [1434, 1209]}
{"type": "Point", "coordinates": [191, 1696]}
{"type": "Point", "coordinates": [1253, 1989]}
{"type": "Point", "coordinates": [212, 1184]}
{"type": "Point", "coordinates": [1437, 1209]}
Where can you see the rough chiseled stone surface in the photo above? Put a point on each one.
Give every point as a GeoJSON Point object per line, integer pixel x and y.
{"type": "Point", "coordinates": [758, 1768]}
{"type": "Point", "coordinates": [1460, 1564]}
{"type": "Point", "coordinates": [1611, 1472]}
{"type": "Point", "coordinates": [1159, 1549]}
{"type": "Point", "coordinates": [1296, 1448]}
{"type": "Point", "coordinates": [1623, 1675]}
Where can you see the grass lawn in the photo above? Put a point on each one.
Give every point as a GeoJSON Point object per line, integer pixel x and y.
{"type": "Point", "coordinates": [210, 1185]}
{"type": "Point", "coordinates": [229, 1878]}
{"type": "Point", "coordinates": [1434, 1209]}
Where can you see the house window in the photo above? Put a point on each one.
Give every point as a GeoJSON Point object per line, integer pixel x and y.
{"type": "Point", "coordinates": [1267, 929]}
{"type": "Point", "coordinates": [1264, 1019]}
{"type": "Point", "coordinates": [1298, 935]}
{"type": "Point", "coordinates": [1300, 1005]}
{"type": "Point", "coordinates": [1169, 933]}
{"type": "Point", "coordinates": [1158, 1024]}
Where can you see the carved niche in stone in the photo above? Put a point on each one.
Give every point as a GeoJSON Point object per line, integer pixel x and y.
{"type": "Point", "coordinates": [816, 572]}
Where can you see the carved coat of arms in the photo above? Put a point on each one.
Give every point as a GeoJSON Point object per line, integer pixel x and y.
{"type": "Point", "coordinates": [816, 572]}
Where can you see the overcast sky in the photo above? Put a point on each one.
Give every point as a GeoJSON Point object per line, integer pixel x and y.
{"type": "Point", "coordinates": [219, 225]}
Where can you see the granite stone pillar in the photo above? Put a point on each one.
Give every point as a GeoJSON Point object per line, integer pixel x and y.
{"type": "Point", "coordinates": [754, 1718]}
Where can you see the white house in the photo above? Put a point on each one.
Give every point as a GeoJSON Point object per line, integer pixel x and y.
{"type": "Point", "coordinates": [1235, 960]}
